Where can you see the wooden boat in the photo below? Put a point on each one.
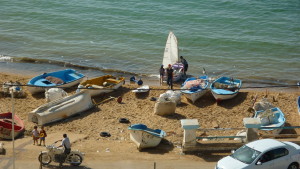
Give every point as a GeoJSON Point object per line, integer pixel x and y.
{"type": "Point", "coordinates": [145, 137]}
{"type": "Point", "coordinates": [102, 84]}
{"type": "Point", "coordinates": [61, 108]}
{"type": "Point", "coordinates": [171, 57]}
{"type": "Point", "coordinates": [273, 117]}
{"type": "Point", "coordinates": [194, 88]}
{"type": "Point", "coordinates": [142, 89]}
{"type": "Point", "coordinates": [298, 104]}
{"type": "Point", "coordinates": [6, 126]}
{"type": "Point", "coordinates": [225, 88]}
{"type": "Point", "coordinates": [63, 78]}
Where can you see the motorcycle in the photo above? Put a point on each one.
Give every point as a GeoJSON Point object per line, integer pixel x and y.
{"type": "Point", "coordinates": [56, 154]}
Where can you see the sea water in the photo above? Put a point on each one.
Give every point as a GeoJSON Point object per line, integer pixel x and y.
{"type": "Point", "coordinates": [256, 41]}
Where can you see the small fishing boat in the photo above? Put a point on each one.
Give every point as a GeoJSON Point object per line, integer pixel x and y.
{"type": "Point", "coordinates": [102, 84]}
{"type": "Point", "coordinates": [298, 104]}
{"type": "Point", "coordinates": [171, 57]}
{"type": "Point", "coordinates": [194, 88]}
{"type": "Point", "coordinates": [273, 117]}
{"type": "Point", "coordinates": [64, 78]}
{"type": "Point", "coordinates": [143, 89]}
{"type": "Point", "coordinates": [61, 108]}
{"type": "Point", "coordinates": [225, 88]}
{"type": "Point", "coordinates": [6, 125]}
{"type": "Point", "coordinates": [145, 137]}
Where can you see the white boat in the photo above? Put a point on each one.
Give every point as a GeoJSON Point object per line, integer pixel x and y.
{"type": "Point", "coordinates": [142, 89]}
{"type": "Point", "coordinates": [145, 137]}
{"type": "Point", "coordinates": [194, 88]}
{"type": "Point", "coordinates": [225, 88]}
{"type": "Point", "coordinates": [171, 57]}
{"type": "Point", "coordinates": [64, 78]}
{"type": "Point", "coordinates": [102, 84]}
{"type": "Point", "coordinates": [61, 108]}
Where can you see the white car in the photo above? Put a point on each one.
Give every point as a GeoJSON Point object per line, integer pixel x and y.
{"type": "Point", "coordinates": [263, 154]}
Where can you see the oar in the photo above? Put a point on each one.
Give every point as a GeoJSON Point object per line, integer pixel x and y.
{"type": "Point", "coordinates": [103, 101]}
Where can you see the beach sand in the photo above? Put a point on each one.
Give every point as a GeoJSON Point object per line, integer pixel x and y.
{"type": "Point", "coordinates": [118, 151]}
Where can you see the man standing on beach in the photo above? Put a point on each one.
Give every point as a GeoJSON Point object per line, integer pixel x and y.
{"type": "Point", "coordinates": [170, 76]}
{"type": "Point", "coordinates": [185, 65]}
{"type": "Point", "coordinates": [161, 74]}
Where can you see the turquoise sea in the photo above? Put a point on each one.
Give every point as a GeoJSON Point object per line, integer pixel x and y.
{"type": "Point", "coordinates": [256, 41]}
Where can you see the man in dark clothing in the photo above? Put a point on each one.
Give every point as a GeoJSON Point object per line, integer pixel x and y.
{"type": "Point", "coordinates": [170, 76]}
{"type": "Point", "coordinates": [185, 64]}
{"type": "Point", "coordinates": [161, 74]}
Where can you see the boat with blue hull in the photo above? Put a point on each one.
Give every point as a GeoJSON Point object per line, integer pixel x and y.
{"type": "Point", "coordinates": [194, 88]}
{"type": "Point", "coordinates": [145, 137]}
{"type": "Point", "coordinates": [273, 117]}
{"type": "Point", "coordinates": [225, 88]}
{"type": "Point", "coordinates": [62, 78]}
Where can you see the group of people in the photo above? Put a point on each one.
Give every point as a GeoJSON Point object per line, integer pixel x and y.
{"type": "Point", "coordinates": [39, 135]}
{"type": "Point", "coordinates": [170, 72]}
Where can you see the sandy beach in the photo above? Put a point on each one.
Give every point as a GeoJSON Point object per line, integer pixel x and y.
{"type": "Point", "coordinates": [118, 151]}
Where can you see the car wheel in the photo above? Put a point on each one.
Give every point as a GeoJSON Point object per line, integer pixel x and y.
{"type": "Point", "coordinates": [293, 166]}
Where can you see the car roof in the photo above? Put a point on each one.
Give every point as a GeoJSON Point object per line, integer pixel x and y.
{"type": "Point", "coordinates": [265, 144]}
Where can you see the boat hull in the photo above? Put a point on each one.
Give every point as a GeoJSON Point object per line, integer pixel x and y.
{"type": "Point", "coordinates": [225, 88]}
{"type": "Point", "coordinates": [6, 126]}
{"type": "Point", "coordinates": [98, 84]}
{"type": "Point", "coordinates": [195, 95]}
{"type": "Point", "coordinates": [68, 77]}
{"type": "Point", "coordinates": [61, 108]}
{"type": "Point", "coordinates": [220, 97]}
{"type": "Point", "coordinates": [142, 89]}
{"type": "Point", "coordinates": [145, 137]}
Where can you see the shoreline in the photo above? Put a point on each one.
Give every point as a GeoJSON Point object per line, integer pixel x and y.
{"type": "Point", "coordinates": [34, 68]}
{"type": "Point", "coordinates": [138, 109]}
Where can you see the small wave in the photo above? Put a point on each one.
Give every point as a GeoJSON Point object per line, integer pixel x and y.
{"type": "Point", "coordinates": [66, 64]}
{"type": "Point", "coordinates": [5, 58]}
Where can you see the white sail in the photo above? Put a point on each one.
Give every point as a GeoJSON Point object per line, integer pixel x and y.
{"type": "Point", "coordinates": [171, 51]}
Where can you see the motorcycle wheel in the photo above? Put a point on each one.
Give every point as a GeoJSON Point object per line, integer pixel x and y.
{"type": "Point", "coordinates": [44, 158]}
{"type": "Point", "coordinates": [75, 159]}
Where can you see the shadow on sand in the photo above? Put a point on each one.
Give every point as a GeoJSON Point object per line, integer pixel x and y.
{"type": "Point", "coordinates": [164, 147]}
{"type": "Point", "coordinates": [53, 166]}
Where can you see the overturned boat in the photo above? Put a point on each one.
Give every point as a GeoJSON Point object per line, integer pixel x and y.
{"type": "Point", "coordinates": [145, 137]}
{"type": "Point", "coordinates": [61, 108]}
{"type": "Point", "coordinates": [143, 89]}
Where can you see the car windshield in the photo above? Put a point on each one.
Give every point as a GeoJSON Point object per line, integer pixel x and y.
{"type": "Point", "coordinates": [245, 154]}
